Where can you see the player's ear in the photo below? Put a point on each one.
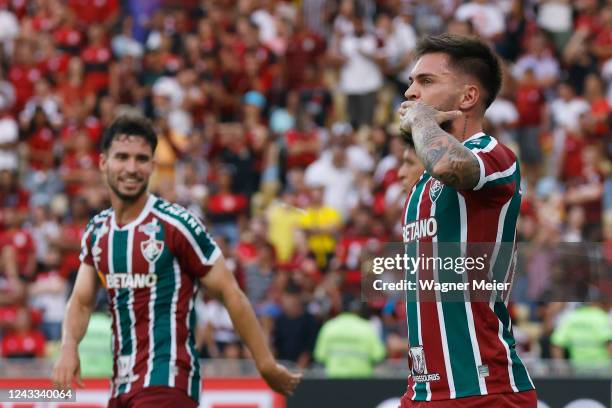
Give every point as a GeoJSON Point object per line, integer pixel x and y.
{"type": "Point", "coordinates": [470, 97]}
{"type": "Point", "coordinates": [102, 161]}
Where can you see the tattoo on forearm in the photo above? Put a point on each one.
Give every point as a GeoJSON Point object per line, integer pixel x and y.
{"type": "Point", "coordinates": [444, 157]}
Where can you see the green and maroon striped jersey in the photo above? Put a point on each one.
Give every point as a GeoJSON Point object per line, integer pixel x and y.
{"type": "Point", "coordinates": [150, 268]}
{"type": "Point", "coordinates": [464, 348]}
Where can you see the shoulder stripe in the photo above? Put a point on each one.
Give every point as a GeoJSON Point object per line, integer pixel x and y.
{"type": "Point", "coordinates": [207, 252]}
{"type": "Point", "coordinates": [492, 143]}
{"type": "Point", "coordinates": [494, 176]}
{"type": "Point", "coordinates": [191, 223]}
{"type": "Point", "coordinates": [102, 216]}
{"type": "Point", "coordinates": [481, 179]}
{"type": "Point", "coordinates": [177, 287]}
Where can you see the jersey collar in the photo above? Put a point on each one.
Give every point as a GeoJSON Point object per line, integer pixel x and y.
{"type": "Point", "coordinates": [474, 136]}
{"type": "Point", "coordinates": [138, 220]}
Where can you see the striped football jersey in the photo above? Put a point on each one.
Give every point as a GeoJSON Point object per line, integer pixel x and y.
{"type": "Point", "coordinates": [150, 268]}
{"type": "Point", "coordinates": [464, 348]}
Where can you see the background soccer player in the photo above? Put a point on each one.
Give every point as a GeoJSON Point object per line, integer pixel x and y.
{"type": "Point", "coordinates": [150, 255]}
{"type": "Point", "coordinates": [462, 353]}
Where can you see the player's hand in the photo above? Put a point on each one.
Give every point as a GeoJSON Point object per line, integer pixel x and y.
{"type": "Point", "coordinates": [411, 111]}
{"type": "Point", "coordinates": [67, 369]}
{"type": "Point", "coordinates": [280, 379]}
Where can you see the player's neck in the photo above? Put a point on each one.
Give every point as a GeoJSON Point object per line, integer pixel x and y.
{"type": "Point", "coordinates": [466, 127]}
{"type": "Point", "coordinates": [128, 211]}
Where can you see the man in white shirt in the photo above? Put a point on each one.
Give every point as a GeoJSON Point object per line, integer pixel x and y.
{"type": "Point", "coordinates": [567, 108]}
{"type": "Point", "coordinates": [360, 75]}
{"type": "Point", "coordinates": [486, 16]}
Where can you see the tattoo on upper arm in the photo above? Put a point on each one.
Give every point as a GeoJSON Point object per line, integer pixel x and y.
{"type": "Point", "coordinates": [444, 157]}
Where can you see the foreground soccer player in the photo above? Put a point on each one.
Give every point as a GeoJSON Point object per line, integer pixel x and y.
{"type": "Point", "coordinates": [150, 255]}
{"type": "Point", "coordinates": [462, 353]}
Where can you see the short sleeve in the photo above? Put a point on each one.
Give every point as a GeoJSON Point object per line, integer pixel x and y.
{"type": "Point", "coordinates": [85, 255]}
{"type": "Point", "coordinates": [196, 250]}
{"type": "Point", "coordinates": [498, 165]}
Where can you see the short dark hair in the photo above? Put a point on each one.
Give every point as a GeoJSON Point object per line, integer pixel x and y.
{"type": "Point", "coordinates": [130, 124]}
{"type": "Point", "coordinates": [468, 55]}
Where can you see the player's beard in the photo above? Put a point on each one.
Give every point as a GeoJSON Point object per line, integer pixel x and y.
{"type": "Point", "coordinates": [128, 198]}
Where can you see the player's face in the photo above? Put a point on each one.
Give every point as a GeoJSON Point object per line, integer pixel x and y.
{"type": "Point", "coordinates": [127, 166]}
{"type": "Point", "coordinates": [433, 83]}
{"type": "Point", "coordinates": [410, 170]}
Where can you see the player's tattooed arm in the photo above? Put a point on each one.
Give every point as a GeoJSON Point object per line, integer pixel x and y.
{"type": "Point", "coordinates": [443, 156]}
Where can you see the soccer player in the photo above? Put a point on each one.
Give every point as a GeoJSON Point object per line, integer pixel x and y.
{"type": "Point", "coordinates": [462, 353]}
{"type": "Point", "coordinates": [150, 255]}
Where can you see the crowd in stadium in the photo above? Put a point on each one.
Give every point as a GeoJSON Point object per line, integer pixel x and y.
{"type": "Point", "coordinates": [277, 125]}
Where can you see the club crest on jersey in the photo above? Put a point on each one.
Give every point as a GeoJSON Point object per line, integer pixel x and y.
{"type": "Point", "coordinates": [152, 249]}
{"type": "Point", "coordinates": [418, 360]}
{"type": "Point", "coordinates": [435, 190]}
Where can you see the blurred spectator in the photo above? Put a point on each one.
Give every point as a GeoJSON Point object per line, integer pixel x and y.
{"type": "Point", "coordinates": [602, 41]}
{"type": "Point", "coordinates": [124, 44]}
{"type": "Point", "coordinates": [69, 241]}
{"type": "Point", "coordinates": [19, 239]}
{"type": "Point", "coordinates": [555, 16]}
{"type": "Point", "coordinates": [9, 136]}
{"type": "Point", "coordinates": [332, 172]}
{"type": "Point", "coordinates": [295, 329]}
{"type": "Point", "coordinates": [321, 224]}
{"type": "Point", "coordinates": [97, 59]}
{"type": "Point", "coordinates": [103, 11]}
{"type": "Point", "coordinates": [13, 197]}
{"type": "Point", "coordinates": [283, 218]}
{"type": "Point", "coordinates": [22, 339]}
{"type": "Point", "coordinates": [45, 230]}
{"type": "Point", "coordinates": [503, 116]}
{"type": "Point", "coordinates": [530, 104]}
{"type": "Point", "coordinates": [225, 207]}
{"type": "Point", "coordinates": [399, 40]}
{"type": "Point", "coordinates": [539, 59]}
{"type": "Point", "coordinates": [586, 190]}
{"type": "Point", "coordinates": [348, 345]}
{"type": "Point", "coordinates": [9, 31]}
{"type": "Point", "coordinates": [360, 75]}
{"type": "Point", "coordinates": [600, 107]}
{"type": "Point", "coordinates": [216, 337]}
{"type": "Point", "coordinates": [305, 48]}
{"type": "Point", "coordinates": [485, 15]}
{"type": "Point", "coordinates": [586, 334]}
{"type": "Point", "coordinates": [260, 274]}
{"type": "Point", "coordinates": [303, 141]}
{"type": "Point", "coordinates": [567, 108]}
{"type": "Point", "coordinates": [41, 140]}
{"type": "Point", "coordinates": [23, 73]}
{"type": "Point", "coordinates": [509, 45]}
{"type": "Point", "coordinates": [48, 294]}
{"type": "Point", "coordinates": [79, 169]}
